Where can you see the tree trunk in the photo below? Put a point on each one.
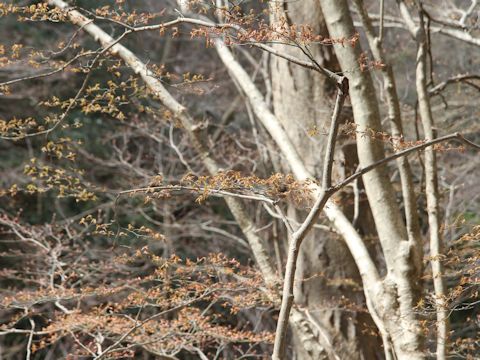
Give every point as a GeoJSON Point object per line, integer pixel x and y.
{"type": "Point", "coordinates": [302, 102]}
{"type": "Point", "coordinates": [400, 318]}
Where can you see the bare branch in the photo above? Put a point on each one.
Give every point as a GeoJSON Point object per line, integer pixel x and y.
{"type": "Point", "coordinates": [179, 112]}
{"type": "Point", "coordinates": [30, 339]}
{"type": "Point", "coordinates": [332, 135]}
{"type": "Point", "coordinates": [200, 190]}
{"type": "Point", "coordinates": [49, 73]}
{"type": "Point", "coordinates": [297, 237]}
{"type": "Point", "coordinates": [382, 14]}
{"type": "Point", "coordinates": [431, 180]}
{"type": "Point", "coordinates": [405, 152]}
{"type": "Point", "coordinates": [225, 26]}
{"type": "Point", "coordinates": [455, 79]}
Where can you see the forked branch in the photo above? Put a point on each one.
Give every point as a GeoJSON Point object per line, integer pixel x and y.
{"type": "Point", "coordinates": [297, 237]}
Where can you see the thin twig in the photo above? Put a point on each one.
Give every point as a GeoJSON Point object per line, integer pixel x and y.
{"type": "Point", "coordinates": [139, 324]}
{"type": "Point", "coordinates": [48, 73]}
{"type": "Point", "coordinates": [77, 95]}
{"type": "Point", "coordinates": [224, 26]}
{"type": "Point", "coordinates": [30, 339]}
{"type": "Point", "coordinates": [359, 173]}
{"type": "Point", "coordinates": [332, 135]}
{"type": "Point", "coordinates": [382, 14]}
{"type": "Point", "coordinates": [455, 79]}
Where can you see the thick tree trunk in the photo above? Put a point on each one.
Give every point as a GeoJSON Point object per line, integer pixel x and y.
{"type": "Point", "coordinates": [303, 101]}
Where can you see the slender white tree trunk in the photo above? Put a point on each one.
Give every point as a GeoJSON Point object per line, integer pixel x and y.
{"type": "Point", "coordinates": [431, 181]}
{"type": "Point", "coordinates": [401, 321]}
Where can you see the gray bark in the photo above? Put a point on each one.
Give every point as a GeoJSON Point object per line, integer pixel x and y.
{"type": "Point", "coordinates": [302, 101]}
{"type": "Point", "coordinates": [431, 181]}
{"type": "Point", "coordinates": [310, 332]}
{"type": "Point", "coordinates": [400, 320]}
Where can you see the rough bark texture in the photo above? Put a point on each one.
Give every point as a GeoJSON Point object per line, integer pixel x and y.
{"type": "Point", "coordinates": [302, 101]}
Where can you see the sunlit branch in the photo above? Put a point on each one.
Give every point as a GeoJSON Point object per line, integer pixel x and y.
{"type": "Point", "coordinates": [202, 191]}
